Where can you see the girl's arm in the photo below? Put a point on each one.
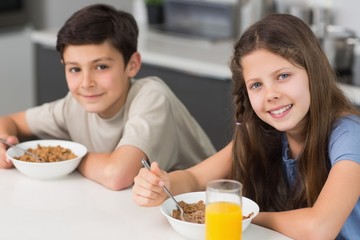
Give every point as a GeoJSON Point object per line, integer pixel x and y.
{"type": "Point", "coordinates": [147, 190]}
{"type": "Point", "coordinates": [325, 219]}
{"type": "Point", "coordinates": [215, 167]}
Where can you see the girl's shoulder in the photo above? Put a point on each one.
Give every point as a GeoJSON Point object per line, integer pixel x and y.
{"type": "Point", "coordinates": [344, 139]}
{"type": "Point", "coordinates": [348, 122]}
{"type": "Point", "coordinates": [346, 129]}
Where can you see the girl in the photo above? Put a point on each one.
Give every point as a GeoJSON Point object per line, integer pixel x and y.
{"type": "Point", "coordinates": [295, 147]}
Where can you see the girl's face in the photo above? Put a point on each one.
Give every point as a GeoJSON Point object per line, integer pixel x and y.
{"type": "Point", "coordinates": [98, 78]}
{"type": "Point", "coordinates": [278, 90]}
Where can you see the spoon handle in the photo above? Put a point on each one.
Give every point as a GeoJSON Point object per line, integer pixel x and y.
{"type": "Point", "coordinates": [19, 148]}
{"type": "Point", "coordinates": [146, 164]}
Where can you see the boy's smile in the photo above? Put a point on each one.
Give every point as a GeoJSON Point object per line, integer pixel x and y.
{"type": "Point", "coordinates": [97, 77]}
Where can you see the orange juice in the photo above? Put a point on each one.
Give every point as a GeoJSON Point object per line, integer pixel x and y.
{"type": "Point", "coordinates": [223, 220]}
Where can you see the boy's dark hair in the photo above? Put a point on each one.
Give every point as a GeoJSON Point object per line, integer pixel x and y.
{"type": "Point", "coordinates": [96, 24]}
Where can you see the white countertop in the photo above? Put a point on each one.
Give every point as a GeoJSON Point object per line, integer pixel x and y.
{"type": "Point", "coordinates": [197, 56]}
{"type": "Point", "coordinates": [74, 208]}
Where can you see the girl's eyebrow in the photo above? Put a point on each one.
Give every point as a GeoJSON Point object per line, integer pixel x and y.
{"type": "Point", "coordinates": [252, 80]}
{"type": "Point", "coordinates": [274, 73]}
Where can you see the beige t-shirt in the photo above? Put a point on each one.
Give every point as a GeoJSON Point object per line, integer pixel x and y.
{"type": "Point", "coordinates": [152, 119]}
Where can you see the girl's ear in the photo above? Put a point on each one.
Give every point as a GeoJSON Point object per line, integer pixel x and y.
{"type": "Point", "coordinates": [134, 64]}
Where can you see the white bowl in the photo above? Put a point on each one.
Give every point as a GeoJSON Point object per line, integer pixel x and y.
{"type": "Point", "coordinates": [196, 230]}
{"type": "Point", "coordinates": [46, 170]}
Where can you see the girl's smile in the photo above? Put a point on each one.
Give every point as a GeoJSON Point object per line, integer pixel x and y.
{"type": "Point", "coordinates": [280, 112]}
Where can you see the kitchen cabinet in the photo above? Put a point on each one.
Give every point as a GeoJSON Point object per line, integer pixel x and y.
{"type": "Point", "coordinates": [50, 75]}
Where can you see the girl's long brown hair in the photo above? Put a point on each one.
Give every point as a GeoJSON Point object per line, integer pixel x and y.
{"type": "Point", "coordinates": [257, 161]}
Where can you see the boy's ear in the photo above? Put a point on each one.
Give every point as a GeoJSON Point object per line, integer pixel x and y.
{"type": "Point", "coordinates": [134, 64]}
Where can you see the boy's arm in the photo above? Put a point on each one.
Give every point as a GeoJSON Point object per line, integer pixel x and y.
{"type": "Point", "coordinates": [114, 170]}
{"type": "Point", "coordinates": [12, 127]}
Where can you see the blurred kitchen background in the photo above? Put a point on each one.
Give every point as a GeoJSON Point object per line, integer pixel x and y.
{"type": "Point", "coordinates": [189, 47]}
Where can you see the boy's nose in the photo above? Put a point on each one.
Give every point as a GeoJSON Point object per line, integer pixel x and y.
{"type": "Point", "coordinates": [87, 81]}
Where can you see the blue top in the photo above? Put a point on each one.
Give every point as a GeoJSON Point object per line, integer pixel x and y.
{"type": "Point", "coordinates": [343, 145]}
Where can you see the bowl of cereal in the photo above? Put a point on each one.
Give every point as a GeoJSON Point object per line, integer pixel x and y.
{"type": "Point", "coordinates": [193, 204]}
{"type": "Point", "coordinates": [58, 158]}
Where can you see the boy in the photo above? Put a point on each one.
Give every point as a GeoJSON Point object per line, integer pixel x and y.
{"type": "Point", "coordinates": [118, 119]}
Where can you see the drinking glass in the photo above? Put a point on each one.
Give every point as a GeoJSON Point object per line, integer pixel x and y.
{"type": "Point", "coordinates": [223, 212]}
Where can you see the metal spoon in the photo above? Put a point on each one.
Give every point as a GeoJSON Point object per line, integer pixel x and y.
{"type": "Point", "coordinates": [146, 164]}
{"type": "Point", "coordinates": [21, 149]}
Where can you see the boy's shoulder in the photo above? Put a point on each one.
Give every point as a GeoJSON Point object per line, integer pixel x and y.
{"type": "Point", "coordinates": [151, 80]}
{"type": "Point", "coordinates": [151, 83]}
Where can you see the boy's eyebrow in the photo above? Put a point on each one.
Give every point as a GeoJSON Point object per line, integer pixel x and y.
{"type": "Point", "coordinates": [102, 59]}
{"type": "Point", "coordinates": [93, 61]}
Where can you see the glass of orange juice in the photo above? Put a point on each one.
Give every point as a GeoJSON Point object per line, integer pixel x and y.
{"type": "Point", "coordinates": [223, 212]}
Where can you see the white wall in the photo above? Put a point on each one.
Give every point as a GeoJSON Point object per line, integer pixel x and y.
{"type": "Point", "coordinates": [347, 14]}
{"type": "Point", "coordinates": [53, 13]}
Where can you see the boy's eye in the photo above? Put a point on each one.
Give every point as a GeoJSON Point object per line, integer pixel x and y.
{"type": "Point", "coordinates": [102, 67]}
{"type": "Point", "coordinates": [74, 70]}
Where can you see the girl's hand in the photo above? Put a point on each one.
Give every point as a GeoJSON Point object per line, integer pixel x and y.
{"type": "Point", "coordinates": [147, 189]}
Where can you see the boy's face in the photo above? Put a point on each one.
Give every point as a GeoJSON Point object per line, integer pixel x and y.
{"type": "Point", "coordinates": [98, 78]}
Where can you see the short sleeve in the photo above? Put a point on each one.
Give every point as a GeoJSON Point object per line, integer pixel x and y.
{"type": "Point", "coordinates": [345, 140]}
{"type": "Point", "coordinates": [47, 120]}
{"type": "Point", "coordinates": [150, 126]}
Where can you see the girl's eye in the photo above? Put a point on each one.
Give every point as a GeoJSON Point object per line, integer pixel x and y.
{"type": "Point", "coordinates": [74, 69]}
{"type": "Point", "coordinates": [102, 67]}
{"type": "Point", "coordinates": [255, 85]}
{"type": "Point", "coordinates": [283, 76]}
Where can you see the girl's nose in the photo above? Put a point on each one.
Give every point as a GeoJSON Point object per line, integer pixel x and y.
{"type": "Point", "coordinates": [272, 93]}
